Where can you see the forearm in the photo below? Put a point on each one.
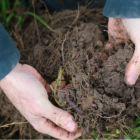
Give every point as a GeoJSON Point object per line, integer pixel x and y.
{"type": "Point", "coordinates": [122, 9]}
{"type": "Point", "coordinates": [9, 54]}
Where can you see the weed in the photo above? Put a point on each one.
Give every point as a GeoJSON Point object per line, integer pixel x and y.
{"type": "Point", "coordinates": [130, 133]}
{"type": "Point", "coordinates": [7, 8]}
{"type": "Point", "coordinates": [135, 132]}
{"type": "Point", "coordinates": [115, 134]}
{"type": "Point", "coordinates": [57, 84]}
{"type": "Point", "coordinates": [7, 12]}
{"type": "Point", "coordinates": [93, 134]}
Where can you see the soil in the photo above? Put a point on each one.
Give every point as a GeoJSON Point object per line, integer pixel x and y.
{"type": "Point", "coordinates": [97, 96]}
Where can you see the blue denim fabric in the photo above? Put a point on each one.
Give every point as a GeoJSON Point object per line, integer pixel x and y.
{"type": "Point", "coordinates": [58, 5]}
{"type": "Point", "coordinates": [9, 54]}
{"type": "Point", "coordinates": [122, 9]}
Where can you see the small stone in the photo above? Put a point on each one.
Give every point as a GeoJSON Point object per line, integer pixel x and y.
{"type": "Point", "coordinates": [80, 43]}
{"type": "Point", "coordinates": [99, 43]}
{"type": "Point", "coordinates": [73, 43]}
{"type": "Point", "coordinates": [115, 100]}
{"type": "Point", "coordinates": [81, 39]}
{"type": "Point", "coordinates": [46, 42]}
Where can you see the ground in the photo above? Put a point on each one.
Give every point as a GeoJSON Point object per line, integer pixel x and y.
{"type": "Point", "coordinates": [95, 75]}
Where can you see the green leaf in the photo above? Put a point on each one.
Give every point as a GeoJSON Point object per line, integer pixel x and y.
{"type": "Point", "coordinates": [7, 4]}
{"type": "Point", "coordinates": [86, 76]}
{"type": "Point", "coordinates": [3, 10]}
{"type": "Point", "coordinates": [117, 131]}
{"type": "Point", "coordinates": [37, 17]}
{"type": "Point", "coordinates": [126, 137]}
{"type": "Point", "coordinates": [11, 15]}
{"type": "Point", "coordinates": [59, 76]}
{"type": "Point", "coordinates": [19, 21]}
{"type": "Point", "coordinates": [137, 122]}
{"type": "Point", "coordinates": [57, 102]}
{"type": "Point", "coordinates": [15, 5]}
{"type": "Point", "coordinates": [79, 126]}
{"type": "Point", "coordinates": [55, 97]}
{"type": "Point", "coordinates": [93, 133]}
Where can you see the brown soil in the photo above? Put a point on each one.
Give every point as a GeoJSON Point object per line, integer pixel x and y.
{"type": "Point", "coordinates": [97, 87]}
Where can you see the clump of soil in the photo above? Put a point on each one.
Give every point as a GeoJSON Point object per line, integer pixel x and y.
{"type": "Point", "coordinates": [101, 99]}
{"type": "Point", "coordinates": [97, 86]}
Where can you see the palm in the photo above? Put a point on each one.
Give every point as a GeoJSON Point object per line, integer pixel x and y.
{"type": "Point", "coordinates": [23, 86]}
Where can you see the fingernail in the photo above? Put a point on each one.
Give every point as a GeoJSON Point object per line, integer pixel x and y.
{"type": "Point", "coordinates": [71, 126]}
{"type": "Point", "coordinates": [132, 79]}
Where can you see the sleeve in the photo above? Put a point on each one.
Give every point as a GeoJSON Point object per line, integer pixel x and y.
{"type": "Point", "coordinates": [9, 54]}
{"type": "Point", "coordinates": [122, 9]}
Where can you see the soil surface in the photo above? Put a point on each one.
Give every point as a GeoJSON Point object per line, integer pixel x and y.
{"type": "Point", "coordinates": [97, 96]}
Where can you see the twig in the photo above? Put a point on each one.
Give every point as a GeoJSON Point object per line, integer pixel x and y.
{"type": "Point", "coordinates": [7, 125]}
{"type": "Point", "coordinates": [114, 135]}
{"type": "Point", "coordinates": [62, 48]}
{"type": "Point", "coordinates": [137, 116]}
{"type": "Point", "coordinates": [46, 9]}
{"type": "Point", "coordinates": [36, 23]}
{"type": "Point", "coordinates": [112, 36]}
{"type": "Point", "coordinates": [77, 16]}
{"type": "Point", "coordinates": [125, 133]}
{"type": "Point", "coordinates": [110, 116]}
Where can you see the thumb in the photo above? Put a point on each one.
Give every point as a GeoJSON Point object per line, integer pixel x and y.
{"type": "Point", "coordinates": [133, 67]}
{"type": "Point", "coordinates": [60, 117]}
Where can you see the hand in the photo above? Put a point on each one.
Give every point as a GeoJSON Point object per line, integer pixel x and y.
{"type": "Point", "coordinates": [124, 30]}
{"type": "Point", "coordinates": [24, 87]}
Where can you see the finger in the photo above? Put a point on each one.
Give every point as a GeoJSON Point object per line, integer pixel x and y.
{"type": "Point", "coordinates": [48, 127]}
{"type": "Point", "coordinates": [60, 117]}
{"type": "Point", "coordinates": [133, 68]}
{"type": "Point", "coordinates": [116, 32]}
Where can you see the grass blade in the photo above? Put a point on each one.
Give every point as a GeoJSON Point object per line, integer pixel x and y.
{"type": "Point", "coordinates": [15, 5]}
{"type": "Point", "coordinates": [59, 77]}
{"type": "Point", "coordinates": [3, 10]}
{"type": "Point", "coordinates": [37, 17]}
{"type": "Point", "coordinates": [11, 15]}
{"type": "Point", "coordinates": [7, 4]}
{"type": "Point", "coordinates": [55, 97]}
{"type": "Point", "coordinates": [19, 21]}
{"type": "Point", "coordinates": [56, 85]}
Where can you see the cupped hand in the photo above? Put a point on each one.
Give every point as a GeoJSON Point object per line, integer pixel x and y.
{"type": "Point", "coordinates": [25, 88]}
{"type": "Point", "coordinates": [121, 30]}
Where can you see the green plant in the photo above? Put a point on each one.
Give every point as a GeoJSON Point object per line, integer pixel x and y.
{"type": "Point", "coordinates": [7, 8]}
{"type": "Point", "coordinates": [37, 17]}
{"type": "Point", "coordinates": [129, 132]}
{"type": "Point", "coordinates": [93, 134]}
{"type": "Point", "coordinates": [7, 12]}
{"type": "Point", "coordinates": [57, 84]}
{"type": "Point", "coordinates": [135, 132]}
{"type": "Point", "coordinates": [114, 134]}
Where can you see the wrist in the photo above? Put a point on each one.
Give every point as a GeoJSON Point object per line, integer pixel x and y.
{"type": "Point", "coordinates": [11, 73]}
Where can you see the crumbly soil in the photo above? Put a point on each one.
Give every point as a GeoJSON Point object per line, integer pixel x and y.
{"type": "Point", "coordinates": [96, 77]}
{"type": "Point", "coordinates": [97, 86]}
